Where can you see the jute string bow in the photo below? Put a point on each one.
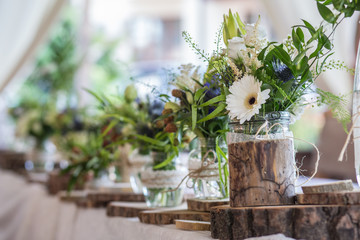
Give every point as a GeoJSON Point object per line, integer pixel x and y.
{"type": "Point", "coordinates": [195, 174]}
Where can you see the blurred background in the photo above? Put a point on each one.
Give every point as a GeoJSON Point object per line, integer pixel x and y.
{"type": "Point", "coordinates": [52, 50]}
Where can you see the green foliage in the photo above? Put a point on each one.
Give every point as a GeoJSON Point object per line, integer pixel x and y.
{"type": "Point", "coordinates": [93, 155]}
{"type": "Point", "coordinates": [337, 105]}
{"type": "Point", "coordinates": [198, 51]}
{"type": "Point", "coordinates": [57, 63]}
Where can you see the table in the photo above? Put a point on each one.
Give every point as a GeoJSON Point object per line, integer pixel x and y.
{"type": "Point", "coordinates": [28, 212]}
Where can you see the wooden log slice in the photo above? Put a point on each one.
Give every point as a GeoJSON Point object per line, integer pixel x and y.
{"type": "Point", "coordinates": [73, 196]}
{"type": "Point", "coordinates": [126, 209]}
{"type": "Point", "coordinates": [192, 225]}
{"type": "Point", "coordinates": [309, 222]}
{"type": "Point", "coordinates": [339, 186]}
{"type": "Point", "coordinates": [57, 182]}
{"type": "Point", "coordinates": [204, 205]}
{"type": "Point", "coordinates": [168, 216]}
{"type": "Point", "coordinates": [12, 160]}
{"type": "Point", "coordinates": [340, 198]}
{"type": "Point", "coordinates": [101, 199]}
{"type": "Point", "coordinates": [262, 173]}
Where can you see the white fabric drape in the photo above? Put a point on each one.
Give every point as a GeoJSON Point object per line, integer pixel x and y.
{"type": "Point", "coordinates": [22, 26]}
{"type": "Point", "coordinates": [285, 13]}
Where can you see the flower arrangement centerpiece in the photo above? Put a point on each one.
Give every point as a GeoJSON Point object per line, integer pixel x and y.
{"type": "Point", "coordinates": [155, 145]}
{"type": "Point", "coordinates": [90, 153]}
{"type": "Point", "coordinates": [157, 137]}
{"type": "Point", "coordinates": [35, 123]}
{"type": "Point", "coordinates": [194, 107]}
{"type": "Point", "coordinates": [262, 87]}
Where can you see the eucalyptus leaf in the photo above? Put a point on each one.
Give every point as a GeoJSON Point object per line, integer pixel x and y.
{"type": "Point", "coordinates": [326, 13]}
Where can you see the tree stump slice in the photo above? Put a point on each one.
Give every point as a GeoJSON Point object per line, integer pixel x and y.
{"type": "Point", "coordinates": [204, 205]}
{"type": "Point", "coordinates": [340, 198]}
{"type": "Point", "coordinates": [318, 222]}
{"type": "Point", "coordinates": [339, 186]}
{"type": "Point", "coordinates": [12, 160]}
{"type": "Point", "coordinates": [192, 225]}
{"type": "Point", "coordinates": [169, 216]}
{"type": "Point", "coordinates": [126, 209]}
{"type": "Point", "coordinates": [73, 196]}
{"type": "Point", "coordinates": [262, 173]}
{"type": "Point", "coordinates": [102, 199]}
{"type": "Point", "coordinates": [58, 182]}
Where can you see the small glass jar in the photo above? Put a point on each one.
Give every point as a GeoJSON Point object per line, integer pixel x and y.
{"type": "Point", "coordinates": [135, 164]}
{"type": "Point", "coordinates": [207, 184]}
{"type": "Point", "coordinates": [41, 158]}
{"type": "Point", "coordinates": [161, 186]}
{"type": "Point", "coordinates": [262, 161]}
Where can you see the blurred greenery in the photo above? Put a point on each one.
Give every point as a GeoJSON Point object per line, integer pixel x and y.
{"type": "Point", "coordinates": [308, 128]}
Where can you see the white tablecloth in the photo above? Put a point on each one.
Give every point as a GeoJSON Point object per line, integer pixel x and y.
{"type": "Point", "coordinates": [28, 212]}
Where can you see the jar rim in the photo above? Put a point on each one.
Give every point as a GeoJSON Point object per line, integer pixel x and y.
{"type": "Point", "coordinates": [270, 116]}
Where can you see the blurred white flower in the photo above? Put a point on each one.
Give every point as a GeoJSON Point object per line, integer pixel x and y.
{"type": "Point", "coordinates": [235, 48]}
{"type": "Point", "coordinates": [188, 78]}
{"type": "Point", "coordinates": [247, 47]}
{"type": "Point", "coordinates": [245, 98]}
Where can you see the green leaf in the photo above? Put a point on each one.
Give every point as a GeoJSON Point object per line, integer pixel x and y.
{"type": "Point", "coordinates": [102, 102]}
{"type": "Point", "coordinates": [108, 128]}
{"type": "Point", "coordinates": [119, 117]}
{"type": "Point", "coordinates": [309, 27]}
{"type": "Point", "coordinates": [262, 53]}
{"type": "Point", "coordinates": [282, 55]}
{"type": "Point", "coordinates": [338, 5]}
{"type": "Point", "coordinates": [213, 100]}
{"type": "Point", "coordinates": [240, 24]}
{"type": "Point", "coordinates": [283, 93]}
{"type": "Point", "coordinates": [166, 162]}
{"type": "Point", "coordinates": [326, 42]}
{"type": "Point", "coordinates": [300, 34]}
{"type": "Point", "coordinates": [326, 13]}
{"type": "Point", "coordinates": [214, 114]}
{"type": "Point", "coordinates": [198, 94]}
{"type": "Point", "coordinates": [193, 116]}
{"type": "Point", "coordinates": [296, 40]}
{"type": "Point", "coordinates": [151, 140]}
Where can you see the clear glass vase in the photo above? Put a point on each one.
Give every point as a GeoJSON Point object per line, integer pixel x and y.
{"type": "Point", "coordinates": [161, 186]}
{"type": "Point", "coordinates": [356, 116]}
{"type": "Point", "coordinates": [262, 161]}
{"type": "Point", "coordinates": [41, 158]}
{"type": "Point", "coordinates": [136, 163]}
{"type": "Point", "coordinates": [207, 185]}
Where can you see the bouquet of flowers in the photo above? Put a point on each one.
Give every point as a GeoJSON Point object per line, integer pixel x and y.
{"type": "Point", "coordinates": [255, 77]}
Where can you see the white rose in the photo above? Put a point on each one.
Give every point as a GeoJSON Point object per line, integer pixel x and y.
{"type": "Point", "coordinates": [235, 46]}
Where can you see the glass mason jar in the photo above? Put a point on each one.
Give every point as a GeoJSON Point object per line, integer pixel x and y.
{"type": "Point", "coordinates": [356, 116]}
{"type": "Point", "coordinates": [41, 158]}
{"type": "Point", "coordinates": [208, 184]}
{"type": "Point", "coordinates": [161, 186]}
{"type": "Point", "coordinates": [262, 161]}
{"type": "Point", "coordinates": [135, 164]}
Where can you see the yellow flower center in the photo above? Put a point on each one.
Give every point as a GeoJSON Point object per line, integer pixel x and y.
{"type": "Point", "coordinates": [251, 100]}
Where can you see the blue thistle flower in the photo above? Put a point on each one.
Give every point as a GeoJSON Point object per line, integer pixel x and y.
{"type": "Point", "coordinates": [282, 72]}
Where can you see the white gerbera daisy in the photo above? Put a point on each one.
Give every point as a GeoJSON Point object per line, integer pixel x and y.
{"type": "Point", "coordinates": [246, 98]}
